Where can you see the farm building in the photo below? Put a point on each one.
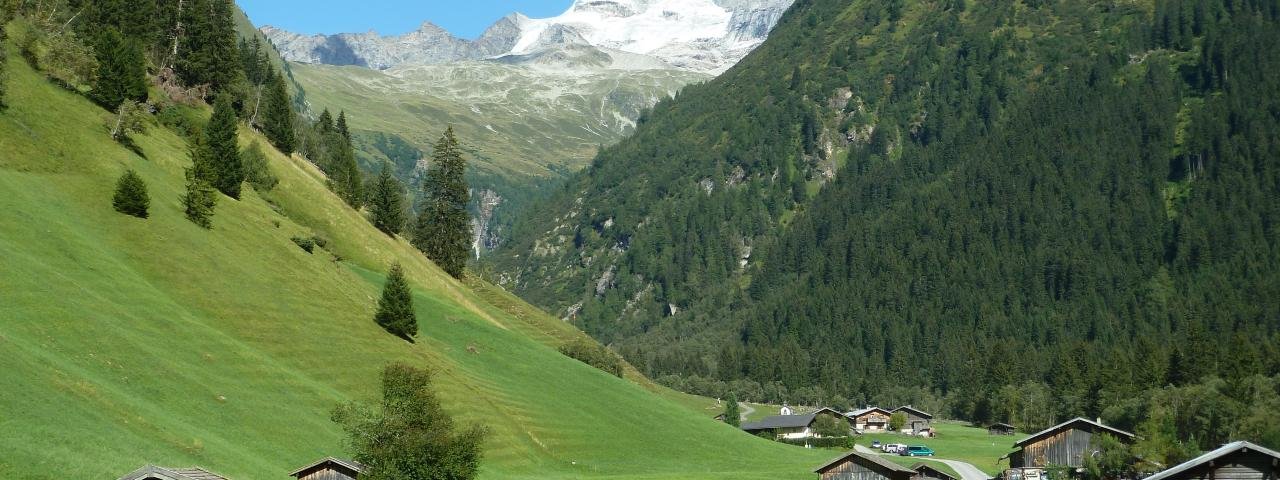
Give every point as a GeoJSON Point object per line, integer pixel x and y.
{"type": "Point", "coordinates": [917, 420]}
{"type": "Point", "coordinates": [870, 419]}
{"type": "Point", "coordinates": [794, 426]}
{"type": "Point", "coordinates": [152, 472]}
{"type": "Point", "coordinates": [1233, 461]}
{"type": "Point", "coordinates": [926, 472]}
{"type": "Point", "coordinates": [1001, 429]}
{"type": "Point", "coordinates": [1066, 445]}
{"type": "Point", "coordinates": [863, 466]}
{"type": "Point", "coordinates": [329, 468]}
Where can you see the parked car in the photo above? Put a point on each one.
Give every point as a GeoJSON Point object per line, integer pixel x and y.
{"type": "Point", "coordinates": [918, 451]}
{"type": "Point", "coordinates": [897, 448]}
{"type": "Point", "coordinates": [875, 444]}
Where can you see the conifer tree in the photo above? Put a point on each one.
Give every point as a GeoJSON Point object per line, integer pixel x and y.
{"type": "Point", "coordinates": [325, 123]}
{"type": "Point", "coordinates": [731, 414]}
{"type": "Point", "coordinates": [346, 171]}
{"type": "Point", "coordinates": [385, 202]}
{"type": "Point", "coordinates": [122, 71]}
{"type": "Point", "coordinates": [277, 118]}
{"type": "Point", "coordinates": [131, 195]}
{"type": "Point", "coordinates": [224, 151]}
{"type": "Point", "coordinates": [207, 54]}
{"type": "Point", "coordinates": [395, 308]}
{"type": "Point", "coordinates": [443, 229]}
{"type": "Point", "coordinates": [3, 63]}
{"type": "Point", "coordinates": [201, 198]}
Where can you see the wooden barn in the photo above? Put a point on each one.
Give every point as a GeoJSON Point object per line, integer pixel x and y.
{"type": "Point", "coordinates": [152, 472]}
{"type": "Point", "coordinates": [870, 419]}
{"type": "Point", "coordinates": [1001, 429]}
{"type": "Point", "coordinates": [863, 466]}
{"type": "Point", "coordinates": [925, 471]}
{"type": "Point", "coordinates": [1066, 445]}
{"type": "Point", "coordinates": [794, 426]}
{"type": "Point", "coordinates": [917, 420]}
{"type": "Point", "coordinates": [1233, 461]}
{"type": "Point", "coordinates": [329, 468]}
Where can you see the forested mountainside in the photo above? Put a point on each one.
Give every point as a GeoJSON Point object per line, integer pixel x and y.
{"type": "Point", "coordinates": [982, 207]}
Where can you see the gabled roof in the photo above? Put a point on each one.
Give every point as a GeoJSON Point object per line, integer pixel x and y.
{"type": "Point", "coordinates": [918, 412]}
{"type": "Point", "coordinates": [1073, 422]}
{"type": "Point", "coordinates": [170, 473]}
{"type": "Point", "coordinates": [1222, 451]}
{"type": "Point", "coordinates": [349, 464]}
{"type": "Point", "coordinates": [788, 421]}
{"type": "Point", "coordinates": [921, 467]}
{"type": "Point", "coordinates": [859, 413]}
{"type": "Point", "coordinates": [868, 458]}
{"type": "Point", "coordinates": [1000, 425]}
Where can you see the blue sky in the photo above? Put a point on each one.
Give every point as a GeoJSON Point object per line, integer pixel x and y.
{"type": "Point", "coordinates": [465, 18]}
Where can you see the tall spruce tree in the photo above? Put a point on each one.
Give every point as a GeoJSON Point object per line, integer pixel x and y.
{"type": "Point", "coordinates": [224, 150]}
{"type": "Point", "coordinates": [395, 308]}
{"type": "Point", "coordinates": [131, 195]}
{"type": "Point", "coordinates": [346, 171]}
{"type": "Point", "coordinates": [277, 115]}
{"type": "Point", "coordinates": [386, 205]}
{"type": "Point", "coordinates": [122, 70]}
{"type": "Point", "coordinates": [201, 197]}
{"type": "Point", "coordinates": [207, 54]}
{"type": "Point", "coordinates": [443, 229]}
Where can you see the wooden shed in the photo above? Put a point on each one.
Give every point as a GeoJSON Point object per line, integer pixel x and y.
{"type": "Point", "coordinates": [1065, 444]}
{"type": "Point", "coordinates": [1001, 429]}
{"type": "Point", "coordinates": [329, 468]}
{"type": "Point", "coordinates": [152, 472]}
{"type": "Point", "coordinates": [863, 466]}
{"type": "Point", "coordinates": [917, 420]}
{"type": "Point", "coordinates": [1233, 461]}
{"type": "Point", "coordinates": [925, 471]}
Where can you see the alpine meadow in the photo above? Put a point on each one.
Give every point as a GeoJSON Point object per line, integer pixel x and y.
{"type": "Point", "coordinates": [642, 239]}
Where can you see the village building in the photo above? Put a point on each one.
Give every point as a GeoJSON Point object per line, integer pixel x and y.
{"type": "Point", "coordinates": [329, 468]}
{"type": "Point", "coordinates": [152, 472]}
{"type": "Point", "coordinates": [925, 471]}
{"type": "Point", "coordinates": [863, 466]}
{"type": "Point", "coordinates": [870, 419]}
{"type": "Point", "coordinates": [1001, 429]}
{"type": "Point", "coordinates": [917, 420]}
{"type": "Point", "coordinates": [1063, 445]}
{"type": "Point", "coordinates": [1233, 461]}
{"type": "Point", "coordinates": [794, 426]}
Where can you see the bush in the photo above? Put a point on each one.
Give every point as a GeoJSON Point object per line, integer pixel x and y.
{"type": "Point", "coordinates": [593, 354]}
{"type": "Point", "coordinates": [845, 443]}
{"type": "Point", "coordinates": [897, 420]}
{"type": "Point", "coordinates": [60, 55]}
{"type": "Point", "coordinates": [305, 243]}
{"type": "Point", "coordinates": [131, 195]}
{"type": "Point", "coordinates": [256, 171]}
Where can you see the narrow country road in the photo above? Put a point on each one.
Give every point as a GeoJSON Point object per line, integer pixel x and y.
{"type": "Point", "coordinates": [746, 411]}
{"type": "Point", "coordinates": [966, 470]}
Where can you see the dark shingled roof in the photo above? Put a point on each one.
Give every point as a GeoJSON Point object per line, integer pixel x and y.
{"type": "Point", "coordinates": [871, 458]}
{"type": "Point", "coordinates": [922, 467]}
{"type": "Point", "coordinates": [1213, 455]}
{"type": "Point", "coordinates": [349, 464]}
{"type": "Point", "coordinates": [170, 473]}
{"type": "Point", "coordinates": [1075, 421]}
{"type": "Point", "coordinates": [788, 421]}
{"type": "Point", "coordinates": [918, 412]}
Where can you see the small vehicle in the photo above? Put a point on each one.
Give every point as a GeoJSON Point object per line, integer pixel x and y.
{"type": "Point", "coordinates": [875, 444]}
{"type": "Point", "coordinates": [918, 451]}
{"type": "Point", "coordinates": [897, 448]}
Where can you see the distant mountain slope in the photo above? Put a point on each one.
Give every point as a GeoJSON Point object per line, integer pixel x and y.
{"type": "Point", "coordinates": [126, 341]}
{"type": "Point", "coordinates": [700, 35]}
{"type": "Point", "coordinates": [918, 201]}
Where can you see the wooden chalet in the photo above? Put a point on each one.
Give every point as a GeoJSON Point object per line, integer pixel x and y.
{"type": "Point", "coordinates": [870, 419]}
{"type": "Point", "coordinates": [863, 466]}
{"type": "Point", "coordinates": [1233, 461]}
{"type": "Point", "coordinates": [152, 472]}
{"type": "Point", "coordinates": [794, 426]}
{"type": "Point", "coordinates": [1062, 445]}
{"type": "Point", "coordinates": [1001, 429]}
{"type": "Point", "coordinates": [917, 420]}
{"type": "Point", "coordinates": [329, 468]}
{"type": "Point", "coordinates": [925, 471]}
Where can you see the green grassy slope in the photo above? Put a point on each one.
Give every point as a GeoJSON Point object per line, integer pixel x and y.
{"type": "Point", "coordinates": [127, 341]}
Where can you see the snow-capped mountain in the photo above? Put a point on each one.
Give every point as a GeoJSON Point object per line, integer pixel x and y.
{"type": "Point", "coordinates": [706, 36]}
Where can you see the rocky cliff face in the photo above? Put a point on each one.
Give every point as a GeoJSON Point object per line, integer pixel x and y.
{"type": "Point", "coordinates": [706, 36]}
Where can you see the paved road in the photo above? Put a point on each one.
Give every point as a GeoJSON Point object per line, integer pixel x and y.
{"type": "Point", "coordinates": [966, 470]}
{"type": "Point", "coordinates": [746, 410]}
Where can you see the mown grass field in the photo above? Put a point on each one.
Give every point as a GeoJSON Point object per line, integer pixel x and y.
{"type": "Point", "coordinates": [127, 341]}
{"type": "Point", "coordinates": [955, 441]}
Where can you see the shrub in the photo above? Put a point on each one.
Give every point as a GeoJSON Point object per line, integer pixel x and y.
{"type": "Point", "coordinates": [305, 243]}
{"type": "Point", "coordinates": [131, 195]}
{"type": "Point", "coordinates": [897, 420]}
{"type": "Point", "coordinates": [256, 171]}
{"type": "Point", "coordinates": [62, 56]}
{"type": "Point", "coordinates": [593, 354]}
{"type": "Point", "coordinates": [845, 443]}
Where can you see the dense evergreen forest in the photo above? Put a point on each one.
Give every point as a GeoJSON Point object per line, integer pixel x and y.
{"type": "Point", "coordinates": [1005, 210]}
